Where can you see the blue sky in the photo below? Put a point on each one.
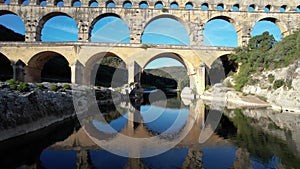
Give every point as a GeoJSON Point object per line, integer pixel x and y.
{"type": "Point", "coordinates": [162, 31]}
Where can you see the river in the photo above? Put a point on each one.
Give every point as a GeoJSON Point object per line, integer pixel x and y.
{"type": "Point", "coordinates": [254, 138]}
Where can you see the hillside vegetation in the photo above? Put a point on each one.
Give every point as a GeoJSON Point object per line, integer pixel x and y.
{"type": "Point", "coordinates": [264, 53]}
{"type": "Point", "coordinates": [9, 35]}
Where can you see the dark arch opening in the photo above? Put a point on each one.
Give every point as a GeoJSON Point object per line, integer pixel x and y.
{"type": "Point", "coordinates": [110, 4]}
{"type": "Point", "coordinates": [236, 7]}
{"type": "Point", "coordinates": [49, 67]}
{"type": "Point", "coordinates": [76, 3]}
{"type": "Point", "coordinates": [174, 5]}
{"type": "Point", "coordinates": [143, 4]}
{"type": "Point", "coordinates": [189, 5]}
{"type": "Point", "coordinates": [127, 4]}
{"type": "Point", "coordinates": [59, 3]}
{"type": "Point", "coordinates": [6, 70]}
{"type": "Point", "coordinates": [158, 5]}
{"type": "Point", "coordinates": [57, 27]}
{"type": "Point", "coordinates": [204, 6]}
{"type": "Point", "coordinates": [252, 7]}
{"type": "Point", "coordinates": [268, 8]}
{"type": "Point", "coordinates": [41, 2]}
{"type": "Point", "coordinates": [12, 27]}
{"type": "Point", "coordinates": [107, 70]}
{"type": "Point", "coordinates": [220, 7]}
{"type": "Point", "coordinates": [23, 2]}
{"type": "Point", "coordinates": [93, 3]}
{"type": "Point", "coordinates": [220, 69]}
{"type": "Point", "coordinates": [298, 8]}
{"type": "Point", "coordinates": [283, 8]}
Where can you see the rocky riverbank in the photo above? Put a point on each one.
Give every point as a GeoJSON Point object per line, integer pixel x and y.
{"type": "Point", "coordinates": [34, 106]}
{"type": "Point", "coordinates": [279, 87]}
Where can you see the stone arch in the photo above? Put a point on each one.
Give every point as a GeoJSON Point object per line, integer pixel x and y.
{"type": "Point", "coordinates": [170, 17]}
{"type": "Point", "coordinates": [110, 2]}
{"type": "Point", "coordinates": [91, 67]}
{"type": "Point", "coordinates": [73, 3]}
{"type": "Point", "coordinates": [281, 25]}
{"type": "Point", "coordinates": [98, 18]}
{"type": "Point", "coordinates": [231, 21]}
{"type": "Point", "coordinates": [6, 69]}
{"type": "Point", "coordinates": [36, 67]}
{"type": "Point", "coordinates": [159, 4]}
{"type": "Point", "coordinates": [44, 19]}
{"type": "Point", "coordinates": [128, 3]}
{"type": "Point", "coordinates": [5, 12]}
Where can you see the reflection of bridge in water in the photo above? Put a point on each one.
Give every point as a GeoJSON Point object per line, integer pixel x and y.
{"type": "Point", "coordinates": [83, 141]}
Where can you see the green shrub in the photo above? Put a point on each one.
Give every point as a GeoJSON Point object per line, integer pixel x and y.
{"type": "Point", "coordinates": [53, 87]}
{"type": "Point", "coordinates": [271, 78]}
{"type": "Point", "coordinates": [207, 87]}
{"type": "Point", "coordinates": [67, 87]}
{"type": "Point", "coordinates": [23, 87]}
{"type": "Point", "coordinates": [13, 85]}
{"type": "Point", "coordinates": [278, 83]}
{"type": "Point", "coordinates": [288, 83]}
{"type": "Point", "coordinates": [11, 81]}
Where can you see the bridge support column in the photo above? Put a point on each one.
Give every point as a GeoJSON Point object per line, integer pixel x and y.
{"type": "Point", "coordinates": [197, 80]}
{"type": "Point", "coordinates": [31, 30]}
{"type": "Point", "coordinates": [77, 73]}
{"type": "Point", "coordinates": [19, 70]}
{"type": "Point", "coordinates": [193, 160]}
{"type": "Point", "coordinates": [134, 73]}
{"type": "Point", "coordinates": [196, 37]}
{"type": "Point", "coordinates": [32, 74]}
{"type": "Point", "coordinates": [83, 30]}
{"type": "Point", "coordinates": [83, 161]}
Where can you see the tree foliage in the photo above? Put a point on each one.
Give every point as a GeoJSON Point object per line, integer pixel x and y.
{"type": "Point", "coordinates": [263, 52]}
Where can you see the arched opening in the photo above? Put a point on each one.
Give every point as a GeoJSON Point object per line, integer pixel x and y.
{"type": "Point", "coordinates": [204, 6]}
{"type": "Point", "coordinates": [93, 3]}
{"type": "Point", "coordinates": [6, 70]}
{"type": "Point", "coordinates": [220, 31]}
{"type": "Point", "coordinates": [220, 69]}
{"type": "Point", "coordinates": [268, 8]}
{"type": "Point", "coordinates": [167, 72]}
{"type": "Point", "coordinates": [104, 25]}
{"type": "Point", "coordinates": [57, 27]}
{"type": "Point", "coordinates": [165, 30]}
{"type": "Point", "coordinates": [127, 4]}
{"type": "Point", "coordinates": [143, 4]}
{"type": "Point", "coordinates": [110, 4]}
{"type": "Point", "coordinates": [48, 67]}
{"type": "Point", "coordinates": [298, 8]}
{"type": "Point", "coordinates": [174, 5]}
{"type": "Point", "coordinates": [76, 3]}
{"type": "Point", "coordinates": [220, 7]}
{"type": "Point", "coordinates": [12, 27]}
{"type": "Point", "coordinates": [41, 2]}
{"type": "Point", "coordinates": [267, 25]}
{"type": "Point", "coordinates": [23, 2]}
{"type": "Point", "coordinates": [252, 7]}
{"type": "Point", "coordinates": [6, 2]}
{"type": "Point", "coordinates": [236, 7]}
{"type": "Point", "coordinates": [189, 5]}
{"type": "Point", "coordinates": [59, 3]}
{"type": "Point", "coordinates": [107, 70]}
{"type": "Point", "coordinates": [158, 5]}
{"type": "Point", "coordinates": [283, 8]}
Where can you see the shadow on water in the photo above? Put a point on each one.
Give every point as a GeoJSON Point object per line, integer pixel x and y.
{"type": "Point", "coordinates": [26, 149]}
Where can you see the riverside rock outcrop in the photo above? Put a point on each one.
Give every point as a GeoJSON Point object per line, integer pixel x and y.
{"type": "Point", "coordinates": [280, 87]}
{"type": "Point", "coordinates": [39, 107]}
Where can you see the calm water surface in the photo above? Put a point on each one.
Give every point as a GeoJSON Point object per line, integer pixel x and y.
{"type": "Point", "coordinates": [243, 139]}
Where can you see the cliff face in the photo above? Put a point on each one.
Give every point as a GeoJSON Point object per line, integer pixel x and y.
{"type": "Point", "coordinates": [280, 87]}
{"type": "Point", "coordinates": [23, 112]}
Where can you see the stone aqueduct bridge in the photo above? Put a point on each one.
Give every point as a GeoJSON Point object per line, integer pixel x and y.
{"type": "Point", "coordinates": [83, 54]}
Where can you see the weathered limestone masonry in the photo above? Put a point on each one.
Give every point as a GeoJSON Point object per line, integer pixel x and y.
{"type": "Point", "coordinates": [34, 53]}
